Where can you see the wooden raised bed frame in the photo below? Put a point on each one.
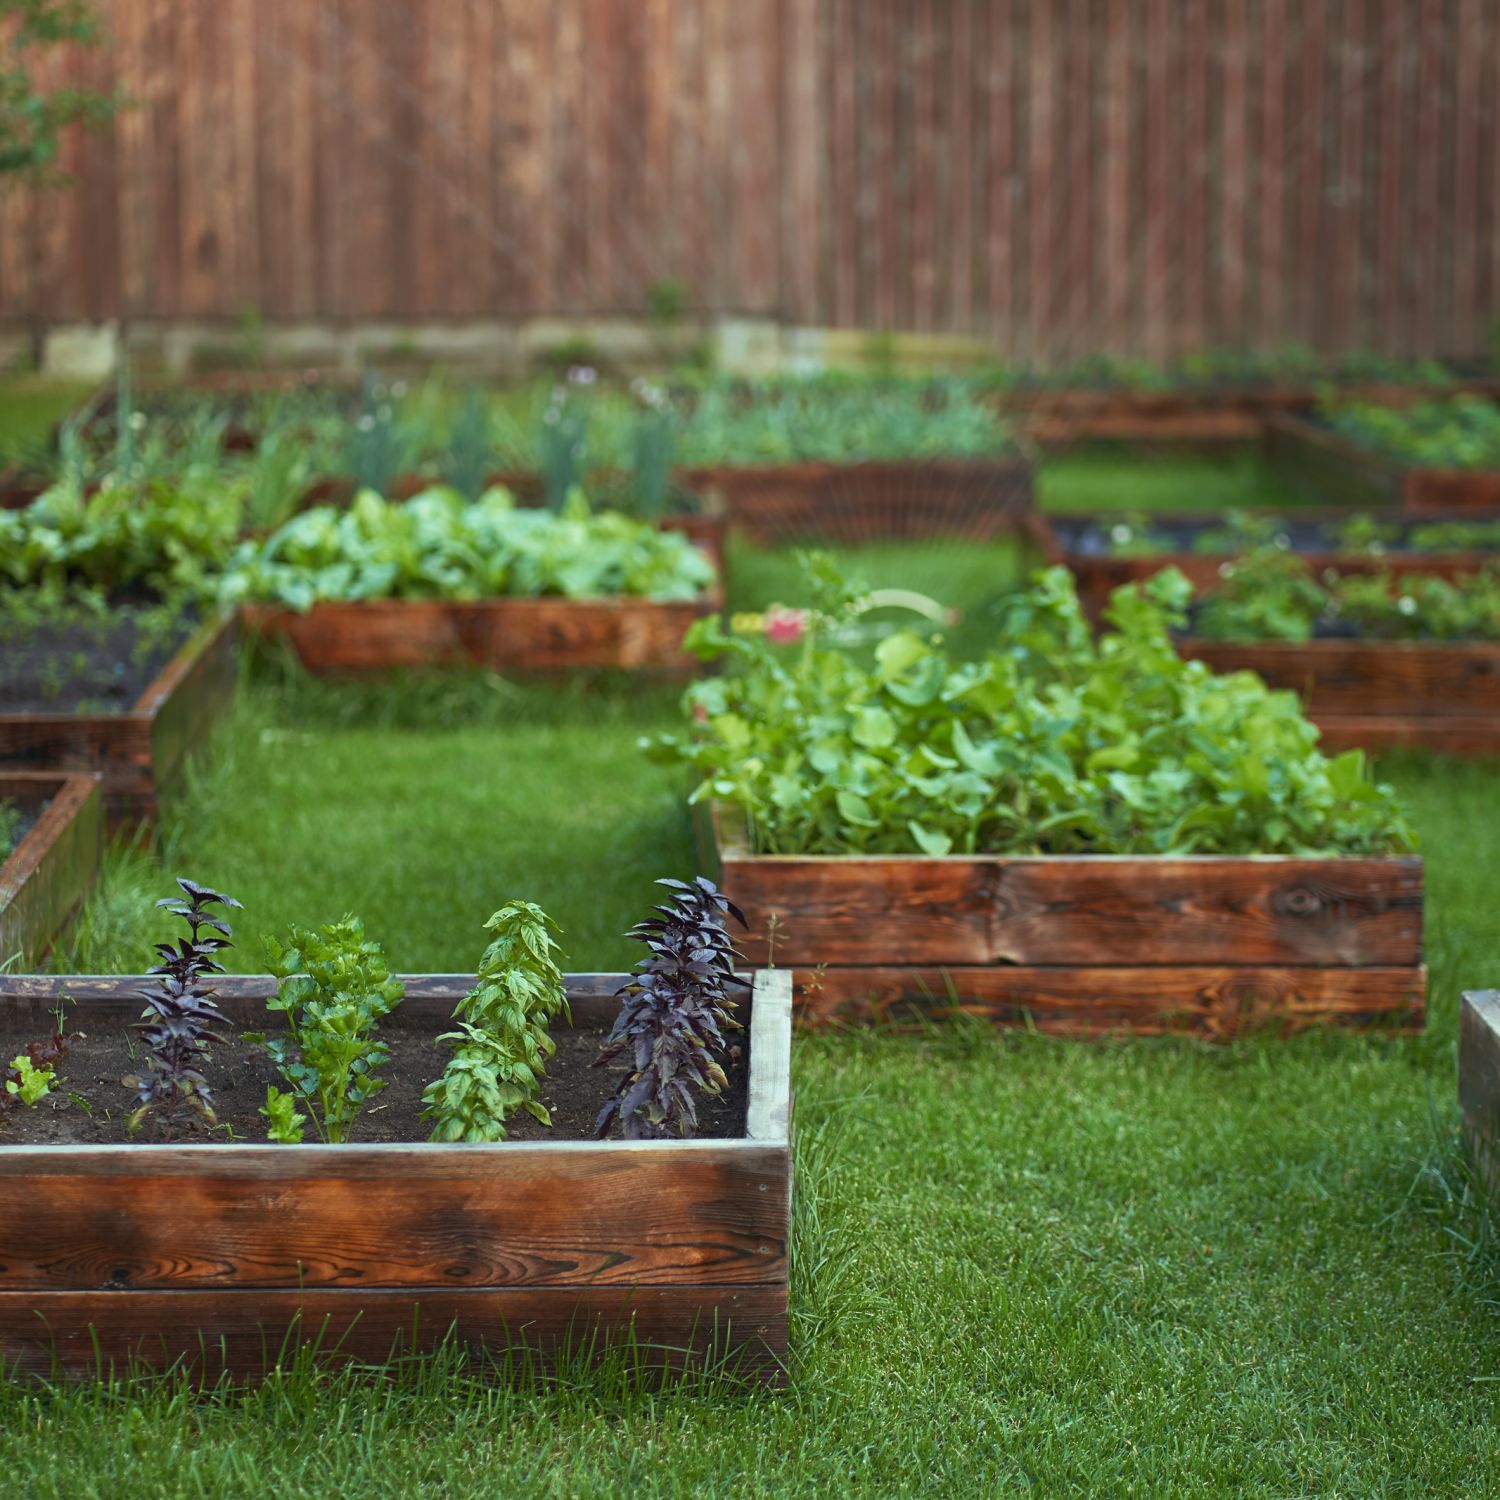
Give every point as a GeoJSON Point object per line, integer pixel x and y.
{"type": "Point", "coordinates": [141, 751]}
{"type": "Point", "coordinates": [1087, 945]}
{"type": "Point", "coordinates": [1479, 1079]}
{"type": "Point", "coordinates": [47, 874]}
{"type": "Point", "coordinates": [1328, 465]}
{"type": "Point", "coordinates": [1208, 414]}
{"type": "Point", "coordinates": [218, 1257]}
{"type": "Point", "coordinates": [853, 503]}
{"type": "Point", "coordinates": [1380, 695]}
{"type": "Point", "coordinates": [1099, 576]}
{"type": "Point", "coordinates": [503, 634]}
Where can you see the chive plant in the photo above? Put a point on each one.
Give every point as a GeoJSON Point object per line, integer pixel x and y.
{"type": "Point", "coordinates": [673, 1014]}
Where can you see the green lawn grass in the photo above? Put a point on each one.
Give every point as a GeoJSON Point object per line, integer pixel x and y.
{"type": "Point", "coordinates": [30, 406]}
{"type": "Point", "coordinates": [1156, 1267]}
{"type": "Point", "coordinates": [1094, 478]}
{"type": "Point", "coordinates": [1020, 1265]}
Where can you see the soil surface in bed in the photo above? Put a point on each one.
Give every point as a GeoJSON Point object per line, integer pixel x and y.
{"type": "Point", "coordinates": [86, 665]}
{"type": "Point", "coordinates": [89, 1106]}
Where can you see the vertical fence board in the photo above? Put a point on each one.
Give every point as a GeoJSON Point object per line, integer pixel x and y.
{"type": "Point", "coordinates": [1057, 176]}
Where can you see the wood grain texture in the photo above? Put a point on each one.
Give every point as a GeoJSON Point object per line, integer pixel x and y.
{"type": "Point", "coordinates": [1132, 175]}
{"type": "Point", "coordinates": [1479, 1079]}
{"type": "Point", "coordinates": [1219, 1002]}
{"type": "Point", "coordinates": [507, 1215]}
{"type": "Point", "coordinates": [163, 1251]}
{"type": "Point", "coordinates": [244, 1334]}
{"type": "Point", "coordinates": [1467, 735]}
{"type": "Point", "coordinates": [774, 504]}
{"type": "Point", "coordinates": [1370, 679]}
{"type": "Point", "coordinates": [47, 875]}
{"type": "Point", "coordinates": [503, 635]}
{"type": "Point", "coordinates": [1079, 910]}
{"type": "Point", "coordinates": [139, 751]}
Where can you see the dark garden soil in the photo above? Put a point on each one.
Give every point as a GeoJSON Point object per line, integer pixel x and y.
{"type": "Point", "coordinates": [87, 665]}
{"type": "Point", "coordinates": [239, 1073]}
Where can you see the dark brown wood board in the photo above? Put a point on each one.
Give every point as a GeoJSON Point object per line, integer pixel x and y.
{"type": "Point", "coordinates": [1084, 945]}
{"type": "Point", "coordinates": [223, 1256]}
{"type": "Point", "coordinates": [47, 875]}
{"type": "Point", "coordinates": [141, 752]}
{"type": "Point", "coordinates": [1327, 467]}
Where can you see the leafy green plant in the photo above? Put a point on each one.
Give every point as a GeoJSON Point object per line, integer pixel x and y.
{"type": "Point", "coordinates": [10, 827]}
{"type": "Point", "coordinates": [182, 1018]}
{"type": "Point", "coordinates": [32, 119]}
{"type": "Point", "coordinates": [840, 420]}
{"type": "Point", "coordinates": [1051, 743]}
{"type": "Point", "coordinates": [1274, 596]}
{"type": "Point", "coordinates": [32, 1074]}
{"type": "Point", "coordinates": [502, 1043]}
{"type": "Point", "coordinates": [674, 1012]}
{"type": "Point", "coordinates": [433, 546]}
{"type": "Point", "coordinates": [1460, 432]}
{"type": "Point", "coordinates": [285, 1123]}
{"type": "Point", "coordinates": [336, 988]}
{"type": "Point", "coordinates": [26, 1082]}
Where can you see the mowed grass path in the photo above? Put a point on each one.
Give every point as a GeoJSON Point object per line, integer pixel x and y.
{"type": "Point", "coordinates": [1150, 1266]}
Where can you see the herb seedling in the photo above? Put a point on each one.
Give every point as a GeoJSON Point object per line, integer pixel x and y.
{"type": "Point", "coordinates": [336, 987]}
{"type": "Point", "coordinates": [502, 1043]}
{"type": "Point", "coordinates": [182, 1017]}
{"type": "Point", "coordinates": [673, 1014]}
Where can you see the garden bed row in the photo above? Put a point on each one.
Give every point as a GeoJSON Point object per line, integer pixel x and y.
{"type": "Point", "coordinates": [1325, 465]}
{"type": "Point", "coordinates": [222, 1258]}
{"type": "Point", "coordinates": [1084, 945]}
{"type": "Point", "coordinates": [46, 876]}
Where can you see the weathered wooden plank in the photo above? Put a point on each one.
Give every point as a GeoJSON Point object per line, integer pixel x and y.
{"type": "Point", "coordinates": [49, 872]}
{"type": "Point", "coordinates": [1470, 735]}
{"type": "Point", "coordinates": [776, 503]}
{"type": "Point", "coordinates": [506, 1215]}
{"type": "Point", "coordinates": [1086, 909]}
{"type": "Point", "coordinates": [768, 1113]}
{"type": "Point", "coordinates": [1387, 679]}
{"type": "Point", "coordinates": [523, 635]}
{"type": "Point", "coordinates": [1479, 1078]}
{"type": "Point", "coordinates": [247, 1333]}
{"type": "Point", "coordinates": [1219, 1002]}
{"type": "Point", "coordinates": [191, 691]}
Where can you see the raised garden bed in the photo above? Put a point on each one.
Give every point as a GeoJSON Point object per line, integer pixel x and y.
{"type": "Point", "coordinates": [1216, 412]}
{"type": "Point", "coordinates": [1086, 546]}
{"type": "Point", "coordinates": [1326, 465]}
{"type": "Point", "coordinates": [1085, 945]}
{"type": "Point", "coordinates": [1379, 694]}
{"type": "Point", "coordinates": [51, 868]}
{"type": "Point", "coordinates": [855, 503]}
{"type": "Point", "coordinates": [502, 635]}
{"type": "Point", "coordinates": [220, 1257]}
{"type": "Point", "coordinates": [1479, 1079]}
{"type": "Point", "coordinates": [141, 745]}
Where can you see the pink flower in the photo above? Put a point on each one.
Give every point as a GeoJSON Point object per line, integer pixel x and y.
{"type": "Point", "coordinates": [785, 626]}
{"type": "Point", "coordinates": [700, 714]}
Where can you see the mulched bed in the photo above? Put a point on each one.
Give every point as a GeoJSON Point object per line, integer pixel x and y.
{"type": "Point", "coordinates": [240, 1072]}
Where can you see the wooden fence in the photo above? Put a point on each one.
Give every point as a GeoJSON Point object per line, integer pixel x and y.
{"type": "Point", "coordinates": [1144, 176]}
